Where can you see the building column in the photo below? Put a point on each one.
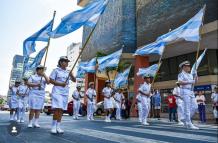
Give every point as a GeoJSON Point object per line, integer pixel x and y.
{"type": "Point", "coordinates": [140, 62]}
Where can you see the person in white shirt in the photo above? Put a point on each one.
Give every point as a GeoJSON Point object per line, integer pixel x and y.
{"type": "Point", "coordinates": [186, 81]}
{"type": "Point", "coordinates": [91, 95]}
{"type": "Point", "coordinates": [60, 77]}
{"type": "Point", "coordinates": [22, 92]}
{"type": "Point", "coordinates": [118, 97]}
{"type": "Point", "coordinates": [139, 105]}
{"type": "Point", "coordinates": [37, 84]}
{"type": "Point", "coordinates": [108, 102]}
{"type": "Point", "coordinates": [180, 104]}
{"type": "Point", "coordinates": [214, 98]}
{"type": "Point", "coordinates": [13, 101]}
{"type": "Point", "coordinates": [77, 95]}
{"type": "Point", "coordinates": [145, 93]}
{"type": "Point", "coordinates": [200, 98]}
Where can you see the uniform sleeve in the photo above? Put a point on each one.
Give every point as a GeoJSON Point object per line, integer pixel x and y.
{"type": "Point", "coordinates": [87, 92]}
{"type": "Point", "coordinates": [53, 75]}
{"type": "Point", "coordinates": [95, 93]}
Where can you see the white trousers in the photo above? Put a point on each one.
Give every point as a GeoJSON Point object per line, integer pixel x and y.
{"type": "Point", "coordinates": [90, 110]}
{"type": "Point", "coordinates": [76, 107]}
{"type": "Point", "coordinates": [180, 109]}
{"type": "Point", "coordinates": [190, 105]}
{"type": "Point", "coordinates": [140, 111]}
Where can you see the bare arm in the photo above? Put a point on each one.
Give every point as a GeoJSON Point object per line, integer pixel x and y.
{"type": "Point", "coordinates": [46, 79]}
{"type": "Point", "coordinates": [55, 83]}
{"type": "Point", "coordinates": [72, 77]}
{"type": "Point", "coordinates": [144, 93]}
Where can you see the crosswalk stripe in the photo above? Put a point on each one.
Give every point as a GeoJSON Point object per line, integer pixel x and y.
{"type": "Point", "coordinates": [165, 133]}
{"type": "Point", "coordinates": [177, 128]}
{"type": "Point", "coordinates": [113, 136]}
{"type": "Point", "coordinates": [212, 128]}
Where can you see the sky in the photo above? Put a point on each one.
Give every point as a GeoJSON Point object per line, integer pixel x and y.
{"type": "Point", "coordinates": [19, 19]}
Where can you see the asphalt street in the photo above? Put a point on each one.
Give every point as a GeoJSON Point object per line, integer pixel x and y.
{"type": "Point", "coordinates": [125, 131]}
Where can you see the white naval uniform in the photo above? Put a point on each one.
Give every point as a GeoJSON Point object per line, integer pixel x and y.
{"type": "Point", "coordinates": [91, 93]}
{"type": "Point", "coordinates": [13, 103]}
{"type": "Point", "coordinates": [24, 91]}
{"type": "Point", "coordinates": [145, 88]}
{"type": "Point", "coordinates": [139, 104]}
{"type": "Point", "coordinates": [108, 103]}
{"type": "Point", "coordinates": [36, 94]}
{"type": "Point", "coordinates": [180, 103]}
{"type": "Point", "coordinates": [190, 104]}
{"type": "Point", "coordinates": [60, 94]}
{"type": "Point", "coordinates": [118, 101]}
{"type": "Point", "coordinates": [76, 103]}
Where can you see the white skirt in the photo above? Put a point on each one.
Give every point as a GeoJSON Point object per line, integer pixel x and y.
{"type": "Point", "coordinates": [13, 103]}
{"type": "Point", "coordinates": [108, 103]}
{"type": "Point", "coordinates": [21, 103]}
{"type": "Point", "coordinates": [59, 101]}
{"type": "Point", "coordinates": [36, 99]}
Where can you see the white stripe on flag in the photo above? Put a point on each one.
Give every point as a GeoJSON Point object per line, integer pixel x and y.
{"type": "Point", "coordinates": [166, 133]}
{"type": "Point", "coordinates": [115, 137]}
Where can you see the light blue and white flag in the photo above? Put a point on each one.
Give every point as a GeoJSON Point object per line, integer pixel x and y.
{"type": "Point", "coordinates": [90, 66]}
{"type": "Point", "coordinates": [42, 35]}
{"type": "Point", "coordinates": [122, 78]}
{"type": "Point", "coordinates": [109, 61]}
{"type": "Point", "coordinates": [152, 70]}
{"type": "Point", "coordinates": [37, 60]}
{"type": "Point", "coordinates": [80, 72]}
{"type": "Point", "coordinates": [190, 31]}
{"type": "Point", "coordinates": [153, 48]}
{"type": "Point", "coordinates": [86, 16]}
{"type": "Point", "coordinates": [197, 63]}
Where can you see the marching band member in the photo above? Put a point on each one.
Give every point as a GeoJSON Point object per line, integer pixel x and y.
{"type": "Point", "coordinates": [77, 95]}
{"type": "Point", "coordinates": [13, 103]}
{"type": "Point", "coordinates": [118, 97]}
{"type": "Point", "coordinates": [145, 93]}
{"type": "Point", "coordinates": [22, 92]}
{"type": "Point", "coordinates": [91, 95]}
{"type": "Point", "coordinates": [108, 102]}
{"type": "Point", "coordinates": [139, 105]}
{"type": "Point", "coordinates": [37, 84]}
{"type": "Point", "coordinates": [186, 81]}
{"type": "Point", "coordinates": [60, 92]}
{"type": "Point", "coordinates": [180, 104]}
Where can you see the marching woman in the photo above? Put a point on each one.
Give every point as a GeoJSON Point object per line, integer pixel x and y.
{"type": "Point", "coordinates": [77, 95]}
{"type": "Point", "coordinates": [118, 97]}
{"type": "Point", "coordinates": [145, 93]}
{"type": "Point", "coordinates": [91, 95]}
{"type": "Point", "coordinates": [186, 81]}
{"type": "Point", "coordinates": [60, 92]}
{"type": "Point", "coordinates": [139, 105]}
{"type": "Point", "coordinates": [37, 84]}
{"type": "Point", "coordinates": [108, 102]}
{"type": "Point", "coordinates": [13, 103]}
{"type": "Point", "coordinates": [22, 92]}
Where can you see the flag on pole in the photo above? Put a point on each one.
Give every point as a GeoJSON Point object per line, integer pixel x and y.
{"type": "Point", "coordinates": [109, 61]}
{"type": "Point", "coordinates": [86, 67]}
{"type": "Point", "coordinates": [152, 70]}
{"type": "Point", "coordinates": [42, 35]}
{"type": "Point", "coordinates": [122, 78]}
{"type": "Point", "coordinates": [190, 31]}
{"type": "Point", "coordinates": [87, 16]}
{"type": "Point", "coordinates": [37, 60]}
{"type": "Point", "coordinates": [153, 48]}
{"type": "Point", "coordinates": [197, 63]}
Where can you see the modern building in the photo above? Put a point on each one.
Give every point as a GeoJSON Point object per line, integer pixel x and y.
{"type": "Point", "coordinates": [72, 53]}
{"type": "Point", "coordinates": [17, 69]}
{"type": "Point", "coordinates": [134, 23]}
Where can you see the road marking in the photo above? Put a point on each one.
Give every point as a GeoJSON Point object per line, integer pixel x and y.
{"type": "Point", "coordinates": [165, 133]}
{"type": "Point", "coordinates": [113, 136]}
{"type": "Point", "coordinates": [177, 128]}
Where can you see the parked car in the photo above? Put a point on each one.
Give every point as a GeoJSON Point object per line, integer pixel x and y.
{"type": "Point", "coordinates": [99, 108]}
{"type": "Point", "coordinates": [48, 109]}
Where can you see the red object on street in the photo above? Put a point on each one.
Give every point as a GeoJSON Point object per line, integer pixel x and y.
{"type": "Point", "coordinates": [171, 100]}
